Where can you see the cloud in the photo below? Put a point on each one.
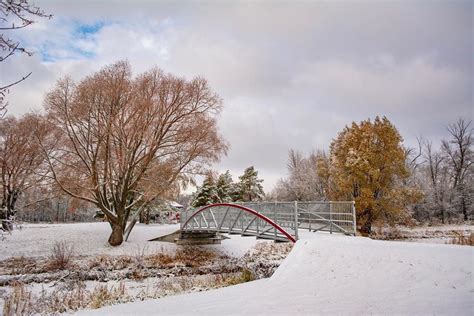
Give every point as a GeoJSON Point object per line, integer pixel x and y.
{"type": "Point", "coordinates": [292, 75]}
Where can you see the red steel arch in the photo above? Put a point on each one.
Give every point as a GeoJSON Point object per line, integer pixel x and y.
{"type": "Point", "coordinates": [245, 209]}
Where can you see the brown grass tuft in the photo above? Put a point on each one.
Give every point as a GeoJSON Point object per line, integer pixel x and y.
{"type": "Point", "coordinates": [188, 256]}
{"type": "Point", "coordinates": [61, 255]}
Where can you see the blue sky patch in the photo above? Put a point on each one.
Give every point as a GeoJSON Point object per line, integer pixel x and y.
{"type": "Point", "coordinates": [85, 30]}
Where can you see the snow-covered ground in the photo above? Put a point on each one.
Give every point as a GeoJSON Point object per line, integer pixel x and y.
{"type": "Point", "coordinates": [330, 274]}
{"type": "Point", "coordinates": [96, 264]}
{"type": "Point", "coordinates": [36, 240]}
{"type": "Point", "coordinates": [324, 274]}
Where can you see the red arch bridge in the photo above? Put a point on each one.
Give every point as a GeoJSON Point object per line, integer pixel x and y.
{"type": "Point", "coordinates": [279, 221]}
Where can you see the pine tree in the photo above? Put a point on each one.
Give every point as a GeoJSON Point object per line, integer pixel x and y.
{"type": "Point", "coordinates": [250, 187]}
{"type": "Point", "coordinates": [207, 193]}
{"type": "Point", "coordinates": [224, 187]}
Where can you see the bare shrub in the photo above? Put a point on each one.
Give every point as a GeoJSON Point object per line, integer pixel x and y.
{"type": "Point", "coordinates": [61, 255]}
{"type": "Point", "coordinates": [18, 301]}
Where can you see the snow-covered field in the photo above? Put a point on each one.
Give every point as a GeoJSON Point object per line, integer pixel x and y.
{"type": "Point", "coordinates": [324, 274]}
{"type": "Point", "coordinates": [35, 240]}
{"type": "Point", "coordinates": [329, 274]}
{"type": "Point", "coordinates": [143, 269]}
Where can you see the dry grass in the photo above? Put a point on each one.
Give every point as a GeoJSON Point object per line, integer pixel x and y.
{"type": "Point", "coordinates": [387, 233]}
{"type": "Point", "coordinates": [271, 251]}
{"type": "Point", "coordinates": [242, 277]}
{"type": "Point", "coordinates": [110, 263]}
{"type": "Point", "coordinates": [61, 255]}
{"type": "Point", "coordinates": [186, 256]}
{"type": "Point", "coordinates": [463, 240]}
{"type": "Point", "coordinates": [18, 302]}
{"type": "Point", "coordinates": [18, 265]}
{"type": "Point", "coordinates": [184, 264]}
{"type": "Point", "coordinates": [66, 298]}
{"type": "Point", "coordinates": [103, 295]}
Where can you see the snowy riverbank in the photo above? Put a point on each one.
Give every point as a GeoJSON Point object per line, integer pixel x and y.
{"type": "Point", "coordinates": [327, 274]}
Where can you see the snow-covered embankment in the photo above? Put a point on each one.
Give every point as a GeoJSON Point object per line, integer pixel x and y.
{"type": "Point", "coordinates": [336, 274]}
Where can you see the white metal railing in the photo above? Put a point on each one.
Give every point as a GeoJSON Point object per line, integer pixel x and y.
{"type": "Point", "coordinates": [272, 220]}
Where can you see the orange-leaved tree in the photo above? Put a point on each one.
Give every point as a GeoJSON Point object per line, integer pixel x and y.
{"type": "Point", "coordinates": [122, 141]}
{"type": "Point", "coordinates": [21, 162]}
{"type": "Point", "coordinates": [368, 166]}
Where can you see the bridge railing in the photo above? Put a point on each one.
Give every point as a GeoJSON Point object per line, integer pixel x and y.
{"type": "Point", "coordinates": [334, 217]}
{"type": "Point", "coordinates": [331, 216]}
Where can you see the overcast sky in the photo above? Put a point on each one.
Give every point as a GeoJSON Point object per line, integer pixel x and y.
{"type": "Point", "coordinates": [292, 74]}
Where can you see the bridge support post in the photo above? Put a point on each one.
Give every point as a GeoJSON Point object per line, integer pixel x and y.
{"type": "Point", "coordinates": [296, 220]}
{"type": "Point", "coordinates": [330, 217]}
{"type": "Point", "coordinates": [354, 217]}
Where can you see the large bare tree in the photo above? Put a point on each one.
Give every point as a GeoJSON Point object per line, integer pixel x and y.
{"type": "Point", "coordinates": [121, 141]}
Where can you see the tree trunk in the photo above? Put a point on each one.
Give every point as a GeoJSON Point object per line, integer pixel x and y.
{"type": "Point", "coordinates": [443, 214]}
{"type": "Point", "coordinates": [116, 238]}
{"type": "Point", "coordinates": [129, 228]}
{"type": "Point", "coordinates": [464, 207]}
{"type": "Point", "coordinates": [366, 227]}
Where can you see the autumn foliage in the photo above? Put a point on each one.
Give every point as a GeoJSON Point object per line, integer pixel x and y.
{"type": "Point", "coordinates": [20, 160]}
{"type": "Point", "coordinates": [368, 166]}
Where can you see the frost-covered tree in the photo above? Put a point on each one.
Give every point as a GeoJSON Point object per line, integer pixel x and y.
{"type": "Point", "coordinates": [250, 186]}
{"type": "Point", "coordinates": [307, 178]}
{"type": "Point", "coordinates": [459, 159]}
{"type": "Point", "coordinates": [436, 184]}
{"type": "Point", "coordinates": [224, 187]}
{"type": "Point", "coordinates": [207, 193]}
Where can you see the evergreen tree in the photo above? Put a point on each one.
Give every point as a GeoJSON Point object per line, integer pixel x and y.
{"type": "Point", "coordinates": [207, 193]}
{"type": "Point", "coordinates": [250, 187]}
{"type": "Point", "coordinates": [224, 187]}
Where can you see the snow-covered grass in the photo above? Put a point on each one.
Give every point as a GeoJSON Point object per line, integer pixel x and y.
{"type": "Point", "coordinates": [39, 273]}
{"type": "Point", "coordinates": [37, 240]}
{"type": "Point", "coordinates": [330, 274]}
{"type": "Point", "coordinates": [441, 234]}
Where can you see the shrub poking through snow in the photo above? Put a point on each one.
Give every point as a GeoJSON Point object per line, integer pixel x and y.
{"type": "Point", "coordinates": [61, 255]}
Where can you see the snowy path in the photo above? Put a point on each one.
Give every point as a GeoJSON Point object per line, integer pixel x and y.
{"type": "Point", "coordinates": [336, 274]}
